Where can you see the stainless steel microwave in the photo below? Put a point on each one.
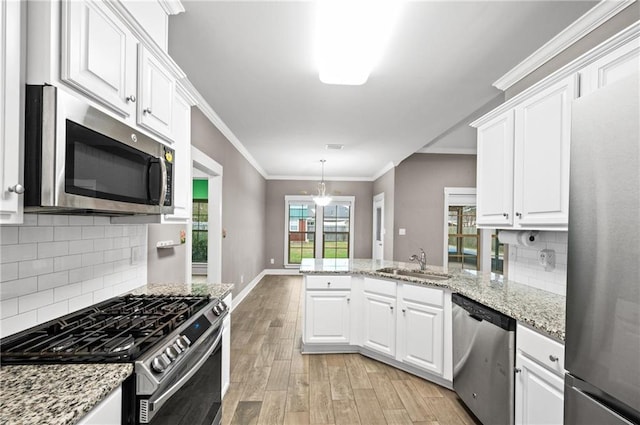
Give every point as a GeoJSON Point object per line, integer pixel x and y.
{"type": "Point", "coordinates": [79, 159]}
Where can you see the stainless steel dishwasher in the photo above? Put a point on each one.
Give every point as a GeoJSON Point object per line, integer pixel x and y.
{"type": "Point", "coordinates": [483, 360]}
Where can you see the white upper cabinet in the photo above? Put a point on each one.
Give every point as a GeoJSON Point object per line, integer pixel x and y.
{"type": "Point", "coordinates": [99, 55]}
{"type": "Point", "coordinates": [495, 171]}
{"type": "Point", "coordinates": [618, 64]}
{"type": "Point", "coordinates": [157, 91]}
{"type": "Point", "coordinates": [542, 142]}
{"type": "Point", "coordinates": [11, 117]}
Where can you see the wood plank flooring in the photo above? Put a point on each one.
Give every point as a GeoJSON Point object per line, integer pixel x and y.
{"type": "Point", "coordinates": [273, 383]}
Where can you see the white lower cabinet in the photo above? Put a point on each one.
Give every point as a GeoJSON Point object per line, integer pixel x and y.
{"type": "Point", "coordinates": [421, 328]}
{"type": "Point", "coordinates": [108, 411]}
{"type": "Point", "coordinates": [401, 324]}
{"type": "Point", "coordinates": [539, 385]}
{"type": "Point", "coordinates": [226, 347]}
{"type": "Point", "coordinates": [327, 310]}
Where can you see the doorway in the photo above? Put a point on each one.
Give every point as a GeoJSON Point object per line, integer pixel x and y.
{"type": "Point", "coordinates": [206, 223]}
{"type": "Point", "coordinates": [378, 227]}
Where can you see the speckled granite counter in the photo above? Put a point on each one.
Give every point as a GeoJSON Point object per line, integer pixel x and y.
{"type": "Point", "coordinates": [541, 310]}
{"type": "Point", "coordinates": [63, 394]}
{"type": "Point", "coordinates": [55, 394]}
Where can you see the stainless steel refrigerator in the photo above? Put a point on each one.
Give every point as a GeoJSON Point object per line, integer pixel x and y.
{"type": "Point", "coordinates": [603, 278]}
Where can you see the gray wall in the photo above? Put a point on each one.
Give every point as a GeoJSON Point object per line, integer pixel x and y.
{"type": "Point", "coordinates": [275, 221]}
{"type": "Point", "coordinates": [386, 184]}
{"type": "Point", "coordinates": [243, 204]}
{"type": "Point", "coordinates": [611, 27]}
{"type": "Point", "coordinates": [165, 265]}
{"type": "Point", "coordinates": [419, 201]}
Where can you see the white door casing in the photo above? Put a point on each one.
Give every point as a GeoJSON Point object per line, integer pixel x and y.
{"type": "Point", "coordinates": [378, 227]}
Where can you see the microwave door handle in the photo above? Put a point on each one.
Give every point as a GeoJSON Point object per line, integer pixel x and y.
{"type": "Point", "coordinates": [154, 185]}
{"type": "Point", "coordinates": [163, 181]}
{"type": "Point", "coordinates": [158, 401]}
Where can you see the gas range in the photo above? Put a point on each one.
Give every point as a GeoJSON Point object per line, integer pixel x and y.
{"type": "Point", "coordinates": [167, 338]}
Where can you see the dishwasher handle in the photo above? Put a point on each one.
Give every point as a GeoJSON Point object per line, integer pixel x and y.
{"type": "Point", "coordinates": [478, 318]}
{"type": "Point", "coordinates": [481, 312]}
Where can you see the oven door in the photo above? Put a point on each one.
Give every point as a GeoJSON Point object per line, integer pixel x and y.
{"type": "Point", "coordinates": [193, 396]}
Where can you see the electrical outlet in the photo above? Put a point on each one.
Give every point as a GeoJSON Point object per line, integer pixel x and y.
{"type": "Point", "coordinates": [547, 259]}
{"type": "Point", "coordinates": [241, 278]}
{"type": "Point", "coordinates": [271, 261]}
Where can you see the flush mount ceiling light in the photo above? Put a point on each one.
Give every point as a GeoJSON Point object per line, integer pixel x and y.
{"type": "Point", "coordinates": [322, 199]}
{"type": "Point", "coordinates": [350, 37]}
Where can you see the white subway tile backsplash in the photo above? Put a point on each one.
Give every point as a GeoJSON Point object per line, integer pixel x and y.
{"type": "Point", "coordinates": [523, 265]}
{"type": "Point", "coordinates": [80, 220]}
{"type": "Point", "coordinates": [67, 291]}
{"type": "Point", "coordinates": [8, 307]}
{"type": "Point", "coordinates": [53, 280]}
{"type": "Point", "coordinates": [34, 301]}
{"type": "Point", "coordinates": [13, 253]}
{"type": "Point", "coordinates": [50, 312]}
{"type": "Point", "coordinates": [35, 234]}
{"type": "Point", "coordinates": [67, 233]}
{"type": "Point", "coordinates": [52, 249]}
{"type": "Point", "coordinates": [92, 232]}
{"type": "Point", "coordinates": [54, 264]}
{"type": "Point", "coordinates": [8, 235]}
{"type": "Point", "coordinates": [13, 324]}
{"type": "Point", "coordinates": [18, 287]}
{"type": "Point", "coordinates": [35, 267]}
{"type": "Point", "coordinates": [80, 302]}
{"type": "Point", "coordinates": [68, 262]}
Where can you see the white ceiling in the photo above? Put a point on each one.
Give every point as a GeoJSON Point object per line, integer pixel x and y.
{"type": "Point", "coordinates": [254, 64]}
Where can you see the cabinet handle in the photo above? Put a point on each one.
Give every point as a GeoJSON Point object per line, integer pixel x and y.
{"type": "Point", "coordinates": [517, 370]}
{"type": "Point", "coordinates": [131, 99]}
{"type": "Point", "coordinates": [147, 111]}
{"type": "Point", "coordinates": [328, 283]}
{"type": "Point", "coordinates": [519, 215]}
{"type": "Point", "coordinates": [404, 311]}
{"type": "Point", "coordinates": [18, 189]}
{"type": "Point", "coordinates": [348, 300]}
{"type": "Point", "coordinates": [553, 358]}
{"type": "Point", "coordinates": [391, 307]}
{"type": "Point", "coordinates": [505, 215]}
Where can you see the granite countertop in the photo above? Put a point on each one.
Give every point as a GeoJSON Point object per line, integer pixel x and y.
{"type": "Point", "coordinates": [541, 310]}
{"type": "Point", "coordinates": [56, 394]}
{"type": "Point", "coordinates": [62, 394]}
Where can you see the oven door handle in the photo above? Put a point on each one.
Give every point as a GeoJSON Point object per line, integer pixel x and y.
{"type": "Point", "coordinates": [157, 402]}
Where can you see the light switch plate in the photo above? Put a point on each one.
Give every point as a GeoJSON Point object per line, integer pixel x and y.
{"type": "Point", "coordinates": [402, 232]}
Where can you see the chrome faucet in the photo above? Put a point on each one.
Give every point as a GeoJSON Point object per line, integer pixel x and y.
{"type": "Point", "coordinates": [421, 259]}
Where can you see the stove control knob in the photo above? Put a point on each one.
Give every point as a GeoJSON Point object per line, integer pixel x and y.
{"type": "Point", "coordinates": [158, 364]}
{"type": "Point", "coordinates": [216, 310]}
{"type": "Point", "coordinates": [186, 340]}
{"type": "Point", "coordinates": [181, 344]}
{"type": "Point", "coordinates": [224, 305]}
{"type": "Point", "coordinates": [171, 353]}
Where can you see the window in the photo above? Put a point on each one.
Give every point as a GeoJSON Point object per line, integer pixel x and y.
{"type": "Point", "coordinates": [200, 231]}
{"type": "Point", "coordinates": [335, 234]}
{"type": "Point", "coordinates": [497, 254]}
{"type": "Point", "coordinates": [463, 238]}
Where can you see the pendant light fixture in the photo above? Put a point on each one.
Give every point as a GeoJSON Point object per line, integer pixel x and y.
{"type": "Point", "coordinates": [322, 199]}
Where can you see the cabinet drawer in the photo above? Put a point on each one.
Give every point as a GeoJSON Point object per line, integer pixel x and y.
{"type": "Point", "coordinates": [328, 282]}
{"type": "Point", "coordinates": [378, 286]}
{"type": "Point", "coordinates": [544, 350]}
{"type": "Point", "coordinates": [423, 294]}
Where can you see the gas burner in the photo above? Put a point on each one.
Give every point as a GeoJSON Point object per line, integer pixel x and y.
{"type": "Point", "coordinates": [119, 344]}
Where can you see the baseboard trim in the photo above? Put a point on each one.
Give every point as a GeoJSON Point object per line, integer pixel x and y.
{"type": "Point", "coordinates": [281, 271]}
{"type": "Point", "coordinates": [247, 289]}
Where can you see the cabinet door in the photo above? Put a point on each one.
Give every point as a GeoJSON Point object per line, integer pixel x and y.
{"type": "Point", "coordinates": [495, 172]}
{"type": "Point", "coordinates": [421, 335]}
{"type": "Point", "coordinates": [379, 323]}
{"type": "Point", "coordinates": [98, 55]}
{"type": "Point", "coordinates": [542, 137]}
{"type": "Point", "coordinates": [108, 411]}
{"type": "Point", "coordinates": [182, 199]}
{"type": "Point", "coordinates": [539, 394]}
{"type": "Point", "coordinates": [11, 105]}
{"type": "Point", "coordinates": [157, 90]}
{"type": "Point", "coordinates": [327, 317]}
{"type": "Point", "coordinates": [618, 64]}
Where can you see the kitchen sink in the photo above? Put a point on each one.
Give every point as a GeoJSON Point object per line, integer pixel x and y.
{"type": "Point", "coordinates": [415, 273]}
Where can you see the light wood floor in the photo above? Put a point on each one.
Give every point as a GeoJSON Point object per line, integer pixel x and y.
{"type": "Point", "coordinates": [273, 383]}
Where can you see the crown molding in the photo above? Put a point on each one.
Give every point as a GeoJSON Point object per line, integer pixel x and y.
{"type": "Point", "coordinates": [388, 167]}
{"type": "Point", "coordinates": [592, 19]}
{"type": "Point", "coordinates": [448, 151]}
{"type": "Point", "coordinates": [172, 7]}
{"type": "Point", "coordinates": [326, 179]}
{"type": "Point", "coordinates": [627, 35]}
{"type": "Point", "coordinates": [208, 111]}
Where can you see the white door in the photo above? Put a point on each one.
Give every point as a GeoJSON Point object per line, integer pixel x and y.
{"type": "Point", "coordinates": [327, 317]}
{"type": "Point", "coordinates": [495, 171]}
{"type": "Point", "coordinates": [98, 55]}
{"type": "Point", "coordinates": [378, 227]}
{"type": "Point", "coordinates": [539, 394]}
{"type": "Point", "coordinates": [379, 323]}
{"type": "Point", "coordinates": [420, 336]}
{"type": "Point", "coordinates": [542, 138]}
